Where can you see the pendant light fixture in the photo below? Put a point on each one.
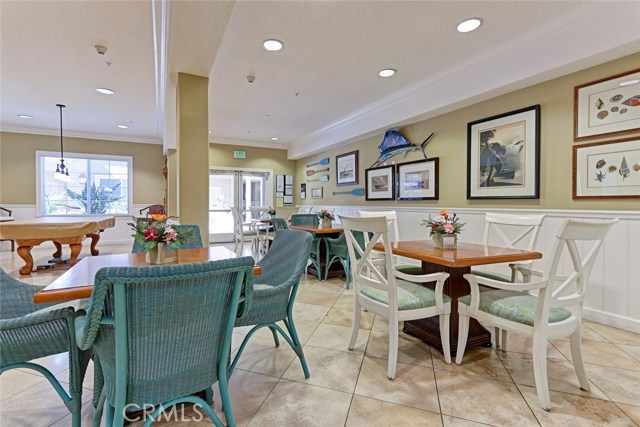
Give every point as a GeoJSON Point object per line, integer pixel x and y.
{"type": "Point", "coordinates": [62, 171]}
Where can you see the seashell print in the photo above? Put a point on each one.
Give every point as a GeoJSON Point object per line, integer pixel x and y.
{"type": "Point", "coordinates": [600, 164]}
{"type": "Point", "coordinates": [602, 114]}
{"type": "Point", "coordinates": [599, 103]}
{"type": "Point", "coordinates": [612, 168]}
{"type": "Point", "coordinates": [616, 98]}
{"type": "Point", "coordinates": [624, 169]}
{"type": "Point", "coordinates": [634, 101]}
{"type": "Point", "coordinates": [614, 109]}
{"type": "Point", "coordinates": [636, 167]}
{"type": "Point", "coordinates": [623, 110]}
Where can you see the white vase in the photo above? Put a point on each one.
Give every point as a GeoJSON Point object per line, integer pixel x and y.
{"type": "Point", "coordinates": [161, 255]}
{"type": "Point", "coordinates": [326, 223]}
{"type": "Point", "coordinates": [445, 240]}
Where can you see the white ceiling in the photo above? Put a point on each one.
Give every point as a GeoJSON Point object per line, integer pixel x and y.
{"type": "Point", "coordinates": [321, 88]}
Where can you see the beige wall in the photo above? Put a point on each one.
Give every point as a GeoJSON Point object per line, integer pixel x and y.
{"type": "Point", "coordinates": [450, 145]}
{"type": "Point", "coordinates": [257, 158]}
{"type": "Point", "coordinates": [18, 163]}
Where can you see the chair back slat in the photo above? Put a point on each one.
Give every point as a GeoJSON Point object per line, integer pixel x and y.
{"type": "Point", "coordinates": [528, 226]}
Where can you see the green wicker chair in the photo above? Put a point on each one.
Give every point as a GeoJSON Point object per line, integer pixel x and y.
{"type": "Point", "coordinates": [162, 333]}
{"type": "Point", "coordinates": [279, 223]}
{"type": "Point", "coordinates": [274, 295]}
{"type": "Point", "coordinates": [337, 250]}
{"type": "Point", "coordinates": [195, 242]}
{"type": "Point", "coordinates": [314, 255]}
{"type": "Point", "coordinates": [29, 331]}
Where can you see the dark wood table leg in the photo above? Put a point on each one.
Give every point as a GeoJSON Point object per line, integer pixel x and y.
{"type": "Point", "coordinates": [25, 253]}
{"type": "Point", "coordinates": [58, 252]}
{"type": "Point", "coordinates": [95, 237]}
{"type": "Point", "coordinates": [429, 329]}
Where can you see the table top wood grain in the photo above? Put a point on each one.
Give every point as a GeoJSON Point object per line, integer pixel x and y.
{"type": "Point", "coordinates": [464, 255]}
{"type": "Point", "coordinates": [77, 282]}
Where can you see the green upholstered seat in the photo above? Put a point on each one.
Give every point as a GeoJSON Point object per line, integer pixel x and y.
{"type": "Point", "coordinates": [514, 306]}
{"type": "Point", "coordinates": [410, 295]}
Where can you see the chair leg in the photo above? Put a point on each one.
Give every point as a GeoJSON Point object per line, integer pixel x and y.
{"type": "Point", "coordinates": [576, 355]}
{"type": "Point", "coordinates": [503, 340]}
{"type": "Point", "coordinates": [463, 334]}
{"type": "Point", "coordinates": [356, 323]}
{"type": "Point", "coordinates": [208, 395]}
{"type": "Point", "coordinates": [297, 347]}
{"type": "Point", "coordinates": [276, 340]}
{"type": "Point", "coordinates": [540, 370]}
{"type": "Point", "coordinates": [393, 347]}
{"type": "Point", "coordinates": [110, 412]}
{"type": "Point", "coordinates": [444, 337]}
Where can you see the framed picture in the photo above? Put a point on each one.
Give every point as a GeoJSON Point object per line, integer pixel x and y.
{"type": "Point", "coordinates": [606, 107]}
{"type": "Point", "coordinates": [605, 170]}
{"type": "Point", "coordinates": [347, 168]}
{"type": "Point", "coordinates": [303, 190]}
{"type": "Point", "coordinates": [316, 193]}
{"type": "Point", "coordinates": [503, 156]}
{"type": "Point", "coordinates": [380, 183]}
{"type": "Point", "coordinates": [418, 180]}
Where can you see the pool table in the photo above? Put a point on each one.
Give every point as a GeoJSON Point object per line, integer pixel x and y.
{"type": "Point", "coordinates": [60, 230]}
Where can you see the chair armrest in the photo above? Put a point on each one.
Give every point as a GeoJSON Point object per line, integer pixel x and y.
{"type": "Point", "coordinates": [439, 278]}
{"type": "Point", "coordinates": [526, 272]}
{"type": "Point", "coordinates": [475, 280]}
{"type": "Point", "coordinates": [36, 318]}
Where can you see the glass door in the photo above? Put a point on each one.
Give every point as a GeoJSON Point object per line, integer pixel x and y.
{"type": "Point", "coordinates": [240, 188]}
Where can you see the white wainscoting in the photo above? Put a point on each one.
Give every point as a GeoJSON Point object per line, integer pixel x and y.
{"type": "Point", "coordinates": [613, 296]}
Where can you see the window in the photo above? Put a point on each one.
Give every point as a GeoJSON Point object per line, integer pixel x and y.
{"type": "Point", "coordinates": [96, 184]}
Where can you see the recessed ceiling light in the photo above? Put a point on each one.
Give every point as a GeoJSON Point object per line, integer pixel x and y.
{"type": "Point", "coordinates": [469, 25]}
{"type": "Point", "coordinates": [105, 91]}
{"type": "Point", "coordinates": [25, 116]}
{"type": "Point", "coordinates": [388, 72]}
{"type": "Point", "coordinates": [267, 116]}
{"type": "Point", "coordinates": [274, 138]}
{"type": "Point", "coordinates": [629, 82]}
{"type": "Point", "coordinates": [210, 132]}
{"type": "Point", "coordinates": [123, 126]}
{"type": "Point", "coordinates": [272, 45]}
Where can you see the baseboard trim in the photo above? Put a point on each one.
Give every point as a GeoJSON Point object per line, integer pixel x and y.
{"type": "Point", "coordinates": [610, 319]}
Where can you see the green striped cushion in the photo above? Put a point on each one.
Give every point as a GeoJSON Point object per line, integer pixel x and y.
{"type": "Point", "coordinates": [514, 306]}
{"type": "Point", "coordinates": [410, 295]}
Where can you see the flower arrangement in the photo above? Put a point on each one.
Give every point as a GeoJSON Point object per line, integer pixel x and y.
{"type": "Point", "coordinates": [443, 224]}
{"type": "Point", "coordinates": [271, 211]}
{"type": "Point", "coordinates": [161, 229]}
{"type": "Point", "coordinates": [325, 214]}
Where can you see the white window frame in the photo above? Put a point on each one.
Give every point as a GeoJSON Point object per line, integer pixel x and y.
{"type": "Point", "coordinates": [86, 156]}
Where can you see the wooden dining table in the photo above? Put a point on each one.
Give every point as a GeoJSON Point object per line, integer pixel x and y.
{"type": "Point", "coordinates": [336, 269]}
{"type": "Point", "coordinates": [457, 262]}
{"type": "Point", "coordinates": [77, 282]}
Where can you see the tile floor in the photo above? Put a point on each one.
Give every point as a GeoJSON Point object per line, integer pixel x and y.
{"type": "Point", "coordinates": [350, 388]}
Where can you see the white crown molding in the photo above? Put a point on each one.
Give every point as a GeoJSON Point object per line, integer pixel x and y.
{"type": "Point", "coordinates": [242, 143]}
{"type": "Point", "coordinates": [557, 48]}
{"type": "Point", "coordinates": [85, 135]}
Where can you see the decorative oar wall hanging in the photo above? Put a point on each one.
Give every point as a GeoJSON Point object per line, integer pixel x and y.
{"type": "Point", "coordinates": [354, 192]}
{"type": "Point", "coordinates": [322, 162]}
{"type": "Point", "coordinates": [312, 172]}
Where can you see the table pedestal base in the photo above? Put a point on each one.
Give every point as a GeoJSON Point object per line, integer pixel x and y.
{"type": "Point", "coordinates": [429, 329]}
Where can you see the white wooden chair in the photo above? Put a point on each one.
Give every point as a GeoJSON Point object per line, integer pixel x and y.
{"type": "Point", "coordinates": [555, 312]}
{"type": "Point", "coordinates": [392, 225]}
{"type": "Point", "coordinates": [381, 289]}
{"type": "Point", "coordinates": [244, 231]}
{"type": "Point", "coordinates": [499, 230]}
{"type": "Point", "coordinates": [265, 230]}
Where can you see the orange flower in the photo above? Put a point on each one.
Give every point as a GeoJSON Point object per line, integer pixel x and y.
{"type": "Point", "coordinates": [443, 212]}
{"type": "Point", "coordinates": [159, 217]}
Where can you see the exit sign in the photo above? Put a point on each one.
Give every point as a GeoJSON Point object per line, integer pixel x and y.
{"type": "Point", "coordinates": [239, 155]}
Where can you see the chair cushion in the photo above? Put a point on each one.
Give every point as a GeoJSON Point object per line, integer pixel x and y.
{"type": "Point", "coordinates": [410, 295]}
{"type": "Point", "coordinates": [514, 306]}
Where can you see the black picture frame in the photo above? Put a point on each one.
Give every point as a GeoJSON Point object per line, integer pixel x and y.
{"type": "Point", "coordinates": [380, 183]}
{"type": "Point", "coordinates": [347, 168]}
{"type": "Point", "coordinates": [418, 180]}
{"type": "Point", "coordinates": [503, 156]}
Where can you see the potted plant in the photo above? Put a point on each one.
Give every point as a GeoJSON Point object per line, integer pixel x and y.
{"type": "Point", "coordinates": [326, 218]}
{"type": "Point", "coordinates": [442, 228]}
{"type": "Point", "coordinates": [159, 238]}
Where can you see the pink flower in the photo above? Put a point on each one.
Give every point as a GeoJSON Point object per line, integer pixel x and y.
{"type": "Point", "coordinates": [170, 235]}
{"type": "Point", "coordinates": [449, 228]}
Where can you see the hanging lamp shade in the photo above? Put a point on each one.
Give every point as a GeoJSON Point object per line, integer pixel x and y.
{"type": "Point", "coordinates": [62, 171]}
